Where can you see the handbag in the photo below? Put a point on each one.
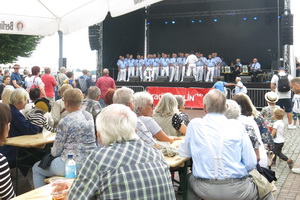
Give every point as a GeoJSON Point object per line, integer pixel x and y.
{"type": "Point", "coordinates": [264, 187]}
{"type": "Point", "coordinates": [267, 173]}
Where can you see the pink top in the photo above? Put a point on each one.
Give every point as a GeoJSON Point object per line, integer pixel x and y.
{"type": "Point", "coordinates": [49, 82]}
{"type": "Point", "coordinates": [104, 83]}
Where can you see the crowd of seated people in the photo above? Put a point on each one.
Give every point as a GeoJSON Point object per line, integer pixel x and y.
{"type": "Point", "coordinates": [121, 160]}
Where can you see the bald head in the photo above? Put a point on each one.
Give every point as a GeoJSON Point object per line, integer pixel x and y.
{"type": "Point", "coordinates": [105, 71]}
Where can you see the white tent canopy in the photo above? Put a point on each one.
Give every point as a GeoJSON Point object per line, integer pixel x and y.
{"type": "Point", "coordinates": [45, 17]}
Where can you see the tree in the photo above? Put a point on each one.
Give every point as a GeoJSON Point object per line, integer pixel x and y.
{"type": "Point", "coordinates": [13, 46]}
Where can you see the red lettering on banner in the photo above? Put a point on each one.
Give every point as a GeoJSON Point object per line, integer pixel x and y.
{"type": "Point", "coordinates": [193, 96]}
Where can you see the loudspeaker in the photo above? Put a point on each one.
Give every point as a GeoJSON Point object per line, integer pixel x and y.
{"type": "Point", "coordinates": [162, 79]}
{"type": "Point", "coordinates": [94, 35]}
{"type": "Point", "coordinates": [134, 79]}
{"type": "Point", "coordinates": [188, 79]}
{"type": "Point", "coordinates": [246, 79]}
{"type": "Point", "coordinates": [215, 78]}
{"type": "Point", "coordinates": [286, 32]}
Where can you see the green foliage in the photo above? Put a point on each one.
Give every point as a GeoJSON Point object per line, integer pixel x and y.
{"type": "Point", "coordinates": [13, 46]}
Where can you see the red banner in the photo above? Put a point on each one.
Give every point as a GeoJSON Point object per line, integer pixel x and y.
{"type": "Point", "coordinates": [193, 96]}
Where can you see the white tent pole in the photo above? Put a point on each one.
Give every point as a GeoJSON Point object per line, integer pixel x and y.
{"type": "Point", "coordinates": [60, 59]}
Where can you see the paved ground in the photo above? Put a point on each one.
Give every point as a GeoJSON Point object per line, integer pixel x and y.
{"type": "Point", "coordinates": [288, 184]}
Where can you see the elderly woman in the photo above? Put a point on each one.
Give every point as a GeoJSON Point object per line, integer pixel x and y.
{"type": "Point", "coordinates": [7, 191]}
{"type": "Point", "coordinates": [75, 135]}
{"type": "Point", "coordinates": [167, 116]}
{"type": "Point", "coordinates": [143, 102]}
{"type": "Point", "coordinates": [18, 126]}
{"type": "Point", "coordinates": [58, 109]}
{"type": "Point", "coordinates": [247, 119]}
{"type": "Point", "coordinates": [36, 81]}
{"type": "Point", "coordinates": [6, 94]}
{"type": "Point", "coordinates": [233, 112]}
{"type": "Point", "coordinates": [181, 107]}
{"type": "Point", "coordinates": [239, 86]}
{"type": "Point", "coordinates": [126, 167]}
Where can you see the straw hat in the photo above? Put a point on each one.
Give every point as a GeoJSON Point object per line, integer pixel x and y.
{"type": "Point", "coordinates": [271, 97]}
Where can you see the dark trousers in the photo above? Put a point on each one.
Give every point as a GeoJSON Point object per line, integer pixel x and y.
{"type": "Point", "coordinates": [278, 152]}
{"type": "Point", "coordinates": [254, 76]}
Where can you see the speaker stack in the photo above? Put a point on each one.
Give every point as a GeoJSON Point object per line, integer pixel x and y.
{"type": "Point", "coordinates": [94, 35]}
{"type": "Point", "coordinates": [287, 29]}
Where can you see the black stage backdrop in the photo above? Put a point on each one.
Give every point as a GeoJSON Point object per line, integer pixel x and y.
{"type": "Point", "coordinates": [231, 36]}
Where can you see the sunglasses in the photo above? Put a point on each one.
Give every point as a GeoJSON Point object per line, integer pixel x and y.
{"type": "Point", "coordinates": [152, 105]}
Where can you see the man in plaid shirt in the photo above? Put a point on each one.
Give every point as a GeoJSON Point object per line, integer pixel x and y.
{"type": "Point", "coordinates": [126, 167]}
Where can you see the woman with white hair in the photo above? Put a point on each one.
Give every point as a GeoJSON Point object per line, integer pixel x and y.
{"type": "Point", "coordinates": [247, 118]}
{"type": "Point", "coordinates": [18, 126]}
{"type": "Point", "coordinates": [144, 106]}
{"type": "Point", "coordinates": [126, 167]}
{"type": "Point", "coordinates": [5, 96]}
{"type": "Point", "coordinates": [233, 112]}
{"type": "Point", "coordinates": [75, 136]}
{"type": "Point", "coordinates": [167, 116]}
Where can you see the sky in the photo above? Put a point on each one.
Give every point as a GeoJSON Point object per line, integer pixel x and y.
{"type": "Point", "coordinates": [77, 50]}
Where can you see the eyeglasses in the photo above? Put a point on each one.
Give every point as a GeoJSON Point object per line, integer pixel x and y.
{"type": "Point", "coordinates": [152, 105]}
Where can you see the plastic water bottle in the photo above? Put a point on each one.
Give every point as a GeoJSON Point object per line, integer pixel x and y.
{"type": "Point", "coordinates": [70, 167]}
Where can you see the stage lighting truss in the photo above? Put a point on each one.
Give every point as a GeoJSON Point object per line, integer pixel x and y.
{"type": "Point", "coordinates": [213, 13]}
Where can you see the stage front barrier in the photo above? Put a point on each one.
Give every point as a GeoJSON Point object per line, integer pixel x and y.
{"type": "Point", "coordinates": [257, 96]}
{"type": "Point", "coordinates": [135, 88]}
{"type": "Point", "coordinates": [194, 96]}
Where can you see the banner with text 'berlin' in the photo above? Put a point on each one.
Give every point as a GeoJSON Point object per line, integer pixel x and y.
{"type": "Point", "coordinates": [193, 96]}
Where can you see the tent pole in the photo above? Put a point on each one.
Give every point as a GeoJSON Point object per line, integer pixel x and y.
{"type": "Point", "coordinates": [60, 59]}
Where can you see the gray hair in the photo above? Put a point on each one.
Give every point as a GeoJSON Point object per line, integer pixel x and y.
{"type": "Point", "coordinates": [215, 102]}
{"type": "Point", "coordinates": [180, 100]}
{"type": "Point", "coordinates": [93, 92]}
{"type": "Point", "coordinates": [123, 96]}
{"type": "Point", "coordinates": [238, 79]}
{"type": "Point", "coordinates": [140, 100]}
{"type": "Point", "coordinates": [105, 71]}
{"type": "Point", "coordinates": [5, 96]}
{"type": "Point", "coordinates": [62, 70]}
{"type": "Point", "coordinates": [167, 105]}
{"type": "Point", "coordinates": [19, 95]}
{"type": "Point", "coordinates": [116, 123]}
{"type": "Point", "coordinates": [233, 109]}
{"type": "Point", "coordinates": [47, 70]}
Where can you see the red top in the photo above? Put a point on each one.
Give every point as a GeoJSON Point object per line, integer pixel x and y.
{"type": "Point", "coordinates": [49, 82]}
{"type": "Point", "coordinates": [104, 83]}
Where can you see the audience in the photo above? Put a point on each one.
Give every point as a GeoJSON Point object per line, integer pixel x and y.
{"type": "Point", "coordinates": [126, 167]}
{"type": "Point", "coordinates": [267, 112]}
{"type": "Point", "coordinates": [247, 119]}
{"type": "Point", "coordinates": [108, 98]}
{"type": "Point", "coordinates": [125, 96]}
{"type": "Point", "coordinates": [222, 172]}
{"type": "Point", "coordinates": [181, 107]}
{"type": "Point", "coordinates": [58, 110]}
{"type": "Point", "coordinates": [75, 135]}
{"type": "Point", "coordinates": [6, 191]}
{"type": "Point", "coordinates": [6, 81]}
{"type": "Point", "coordinates": [6, 94]}
{"type": "Point", "coordinates": [91, 103]}
{"type": "Point", "coordinates": [143, 102]}
{"type": "Point", "coordinates": [35, 81]}
{"type": "Point", "coordinates": [167, 116]}
{"type": "Point", "coordinates": [19, 126]}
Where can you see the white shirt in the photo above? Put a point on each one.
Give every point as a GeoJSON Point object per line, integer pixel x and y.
{"type": "Point", "coordinates": [237, 155]}
{"type": "Point", "coordinates": [281, 95]}
{"type": "Point", "coordinates": [36, 80]}
{"type": "Point", "coordinates": [279, 126]}
{"type": "Point", "coordinates": [191, 59]}
{"type": "Point", "coordinates": [296, 100]}
{"type": "Point", "coordinates": [262, 151]}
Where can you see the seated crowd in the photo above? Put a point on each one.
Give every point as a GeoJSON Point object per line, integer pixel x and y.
{"type": "Point", "coordinates": [116, 146]}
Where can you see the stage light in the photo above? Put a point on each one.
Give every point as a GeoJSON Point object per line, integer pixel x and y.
{"type": "Point", "coordinates": [193, 21]}
{"type": "Point", "coordinates": [245, 18]}
{"type": "Point", "coordinates": [279, 17]}
{"type": "Point", "coordinates": [255, 18]}
{"type": "Point", "coordinates": [215, 20]}
{"type": "Point", "coordinates": [200, 21]}
{"type": "Point", "coordinates": [166, 22]}
{"type": "Point", "coordinates": [148, 23]}
{"type": "Point", "coordinates": [173, 22]}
